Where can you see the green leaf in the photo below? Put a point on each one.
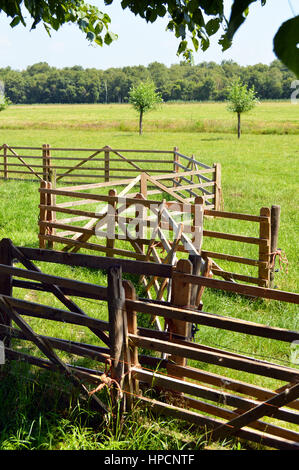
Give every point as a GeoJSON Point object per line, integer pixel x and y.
{"type": "Point", "coordinates": [15, 21]}
{"type": "Point", "coordinates": [286, 43]}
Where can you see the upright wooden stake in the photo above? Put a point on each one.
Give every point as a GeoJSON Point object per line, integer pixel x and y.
{"type": "Point", "coordinates": [46, 156]}
{"type": "Point", "coordinates": [111, 224]}
{"type": "Point", "coordinates": [275, 219]}
{"type": "Point", "coordinates": [107, 163]}
{"type": "Point", "coordinates": [6, 257]}
{"type": "Point", "coordinates": [42, 215]}
{"type": "Point", "coordinates": [180, 297]}
{"type": "Point", "coordinates": [218, 190]}
{"type": "Point", "coordinates": [116, 304]}
{"type": "Point", "coordinates": [131, 356]}
{"type": "Point", "coordinates": [49, 215]}
{"type": "Point", "coordinates": [264, 247]}
{"type": "Point", "coordinates": [5, 174]}
{"type": "Point", "coordinates": [176, 159]}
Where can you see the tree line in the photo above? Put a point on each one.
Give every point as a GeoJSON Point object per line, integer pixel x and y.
{"type": "Point", "coordinates": [41, 83]}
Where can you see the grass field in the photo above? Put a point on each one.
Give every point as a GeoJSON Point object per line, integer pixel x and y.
{"type": "Point", "coordinates": [258, 170]}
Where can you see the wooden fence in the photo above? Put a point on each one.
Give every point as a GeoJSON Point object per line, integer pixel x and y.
{"type": "Point", "coordinates": [219, 404]}
{"type": "Point", "coordinates": [74, 224]}
{"type": "Point", "coordinates": [82, 165]}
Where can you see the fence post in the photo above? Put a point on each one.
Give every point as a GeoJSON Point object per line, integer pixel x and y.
{"type": "Point", "coordinates": [5, 173]}
{"type": "Point", "coordinates": [49, 214]}
{"type": "Point", "coordinates": [176, 159]}
{"type": "Point", "coordinates": [46, 162]}
{"type": "Point", "coordinates": [264, 247]}
{"type": "Point", "coordinates": [218, 190]}
{"type": "Point", "coordinates": [6, 257]}
{"type": "Point", "coordinates": [107, 163]}
{"type": "Point", "coordinates": [275, 219]}
{"type": "Point", "coordinates": [131, 351]}
{"type": "Point", "coordinates": [42, 215]}
{"type": "Point", "coordinates": [116, 304]}
{"type": "Point", "coordinates": [111, 223]}
{"type": "Point", "coordinates": [180, 297]}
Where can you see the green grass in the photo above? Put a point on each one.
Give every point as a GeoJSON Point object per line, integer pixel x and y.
{"type": "Point", "coordinates": [258, 170]}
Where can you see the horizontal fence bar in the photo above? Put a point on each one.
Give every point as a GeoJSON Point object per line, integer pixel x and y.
{"type": "Point", "coordinates": [242, 289]}
{"type": "Point", "coordinates": [33, 309]}
{"type": "Point", "coordinates": [97, 262]}
{"type": "Point", "coordinates": [56, 280]}
{"type": "Point", "coordinates": [215, 321]}
{"type": "Point", "coordinates": [223, 360]}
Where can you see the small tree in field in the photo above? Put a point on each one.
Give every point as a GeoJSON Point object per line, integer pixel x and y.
{"type": "Point", "coordinates": [240, 100]}
{"type": "Point", "coordinates": [144, 98]}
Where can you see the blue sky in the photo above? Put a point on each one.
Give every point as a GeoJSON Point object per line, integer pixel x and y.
{"type": "Point", "coordinates": [139, 43]}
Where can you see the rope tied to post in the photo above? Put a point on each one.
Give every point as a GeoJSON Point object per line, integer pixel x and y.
{"type": "Point", "coordinates": [106, 380]}
{"type": "Point", "coordinates": [283, 261]}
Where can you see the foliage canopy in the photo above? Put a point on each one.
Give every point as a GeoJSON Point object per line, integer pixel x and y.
{"type": "Point", "coordinates": [192, 21]}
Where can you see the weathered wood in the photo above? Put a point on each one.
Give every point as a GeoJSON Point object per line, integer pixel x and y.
{"type": "Point", "coordinates": [268, 408]}
{"type": "Point", "coordinates": [6, 258]}
{"type": "Point", "coordinates": [275, 219]}
{"type": "Point", "coordinates": [228, 383]}
{"type": "Point", "coordinates": [180, 296]}
{"type": "Point", "coordinates": [5, 162]}
{"type": "Point", "coordinates": [264, 249]}
{"type": "Point", "coordinates": [222, 360]}
{"type": "Point", "coordinates": [107, 163]}
{"type": "Point", "coordinates": [111, 223]}
{"type": "Point", "coordinates": [218, 191]}
{"type": "Point", "coordinates": [97, 262]}
{"type": "Point", "coordinates": [242, 289]}
{"type": "Point", "coordinates": [218, 396]}
{"type": "Point", "coordinates": [116, 300]}
{"type": "Point", "coordinates": [215, 321]}
{"type": "Point", "coordinates": [78, 165]}
{"type": "Point", "coordinates": [238, 238]}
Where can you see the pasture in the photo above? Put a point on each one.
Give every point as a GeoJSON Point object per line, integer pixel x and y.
{"type": "Point", "coordinates": [260, 169]}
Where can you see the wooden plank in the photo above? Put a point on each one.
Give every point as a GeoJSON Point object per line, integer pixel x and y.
{"type": "Point", "coordinates": [239, 277]}
{"type": "Point", "coordinates": [53, 280]}
{"type": "Point", "coordinates": [227, 383]}
{"type": "Point", "coordinates": [116, 300]}
{"type": "Point", "coordinates": [223, 360]}
{"type": "Point", "coordinates": [214, 321]}
{"type": "Point", "coordinates": [264, 249]}
{"type": "Point", "coordinates": [6, 258]}
{"type": "Point", "coordinates": [232, 258]}
{"type": "Point", "coordinates": [181, 297]}
{"type": "Point", "coordinates": [238, 238]}
{"type": "Point", "coordinates": [24, 163]}
{"type": "Point", "coordinates": [275, 219]}
{"type": "Point", "coordinates": [78, 165]}
{"type": "Point", "coordinates": [268, 408]}
{"type": "Point", "coordinates": [235, 215]}
{"type": "Point", "coordinates": [210, 423]}
{"type": "Point", "coordinates": [242, 289]}
{"type": "Point", "coordinates": [218, 396]}
{"type": "Point", "coordinates": [97, 262]}
{"type": "Point", "coordinates": [32, 309]}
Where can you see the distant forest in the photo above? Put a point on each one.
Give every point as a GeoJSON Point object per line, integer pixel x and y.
{"type": "Point", "coordinates": [41, 83]}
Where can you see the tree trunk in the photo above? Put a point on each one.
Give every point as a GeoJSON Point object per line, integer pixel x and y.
{"type": "Point", "coordinates": [239, 125]}
{"type": "Point", "coordinates": [140, 122]}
